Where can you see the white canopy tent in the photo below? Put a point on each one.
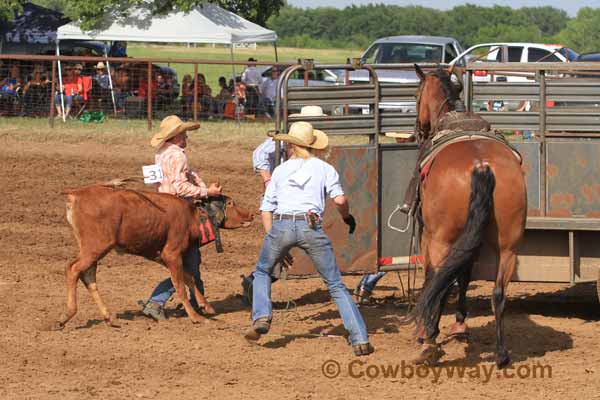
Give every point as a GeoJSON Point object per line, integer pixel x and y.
{"type": "Point", "coordinates": [208, 23]}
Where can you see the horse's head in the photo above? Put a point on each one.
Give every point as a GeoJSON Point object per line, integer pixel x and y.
{"type": "Point", "coordinates": [437, 94]}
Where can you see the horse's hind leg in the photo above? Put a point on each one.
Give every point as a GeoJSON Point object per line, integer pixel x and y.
{"type": "Point", "coordinates": [459, 327]}
{"type": "Point", "coordinates": [431, 352]}
{"type": "Point", "coordinates": [88, 277]}
{"type": "Point", "coordinates": [507, 264]}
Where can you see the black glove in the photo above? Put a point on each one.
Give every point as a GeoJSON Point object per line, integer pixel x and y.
{"type": "Point", "coordinates": [351, 222]}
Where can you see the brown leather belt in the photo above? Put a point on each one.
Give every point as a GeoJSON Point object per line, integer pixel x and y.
{"type": "Point", "coordinates": [293, 217]}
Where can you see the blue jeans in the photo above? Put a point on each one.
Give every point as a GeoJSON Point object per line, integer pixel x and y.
{"type": "Point", "coordinates": [369, 281]}
{"type": "Point", "coordinates": [68, 100]}
{"type": "Point", "coordinates": [286, 234]}
{"type": "Point", "coordinates": [191, 264]}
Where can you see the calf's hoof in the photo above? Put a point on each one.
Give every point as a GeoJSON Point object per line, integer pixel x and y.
{"type": "Point", "coordinates": [207, 309]}
{"type": "Point", "coordinates": [196, 318]}
{"type": "Point", "coordinates": [53, 326]}
{"type": "Point", "coordinates": [111, 321]}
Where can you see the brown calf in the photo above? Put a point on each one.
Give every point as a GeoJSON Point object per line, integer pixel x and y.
{"type": "Point", "coordinates": [147, 224]}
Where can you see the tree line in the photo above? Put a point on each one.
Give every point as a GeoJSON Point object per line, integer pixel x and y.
{"type": "Point", "coordinates": [358, 26]}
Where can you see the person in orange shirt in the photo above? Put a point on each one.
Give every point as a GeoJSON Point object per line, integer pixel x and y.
{"type": "Point", "coordinates": [72, 88]}
{"type": "Point", "coordinates": [143, 87]}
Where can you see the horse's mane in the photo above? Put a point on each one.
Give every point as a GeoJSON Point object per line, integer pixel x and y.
{"type": "Point", "coordinates": [451, 91]}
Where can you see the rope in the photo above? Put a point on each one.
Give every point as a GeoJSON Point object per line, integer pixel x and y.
{"type": "Point", "coordinates": [291, 306]}
{"type": "Point", "coordinates": [410, 288]}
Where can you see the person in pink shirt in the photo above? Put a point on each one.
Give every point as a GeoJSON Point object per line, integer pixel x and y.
{"type": "Point", "coordinates": [178, 180]}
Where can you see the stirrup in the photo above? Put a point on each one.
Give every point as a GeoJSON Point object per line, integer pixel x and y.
{"type": "Point", "coordinates": [409, 217]}
{"type": "Point", "coordinates": [406, 208]}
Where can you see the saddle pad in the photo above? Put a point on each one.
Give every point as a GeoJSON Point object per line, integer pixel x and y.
{"type": "Point", "coordinates": [463, 136]}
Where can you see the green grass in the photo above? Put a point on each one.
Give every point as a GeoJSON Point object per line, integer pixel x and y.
{"type": "Point", "coordinates": [122, 132]}
{"type": "Point", "coordinates": [212, 72]}
{"type": "Point", "coordinates": [246, 135]}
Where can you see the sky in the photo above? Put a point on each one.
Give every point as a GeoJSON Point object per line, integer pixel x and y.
{"type": "Point", "coordinates": [570, 6]}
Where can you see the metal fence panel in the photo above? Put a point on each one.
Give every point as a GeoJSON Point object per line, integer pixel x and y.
{"type": "Point", "coordinates": [506, 91]}
{"type": "Point", "coordinates": [573, 180]}
{"type": "Point", "coordinates": [357, 253]}
{"type": "Point", "coordinates": [530, 151]}
{"type": "Point", "coordinates": [397, 163]}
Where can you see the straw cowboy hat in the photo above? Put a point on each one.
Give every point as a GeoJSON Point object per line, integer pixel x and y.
{"type": "Point", "coordinates": [310, 111]}
{"type": "Point", "coordinates": [170, 127]}
{"type": "Point", "coordinates": [100, 65]}
{"type": "Point", "coordinates": [303, 134]}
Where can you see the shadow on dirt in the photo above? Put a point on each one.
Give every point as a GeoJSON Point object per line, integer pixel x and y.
{"type": "Point", "coordinates": [524, 339]}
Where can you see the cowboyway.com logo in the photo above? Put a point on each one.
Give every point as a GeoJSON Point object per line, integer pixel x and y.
{"type": "Point", "coordinates": [358, 369]}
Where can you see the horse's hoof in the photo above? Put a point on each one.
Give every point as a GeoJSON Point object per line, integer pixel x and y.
{"type": "Point", "coordinates": [430, 355]}
{"type": "Point", "coordinates": [421, 335]}
{"type": "Point", "coordinates": [502, 360]}
{"type": "Point", "coordinates": [458, 328]}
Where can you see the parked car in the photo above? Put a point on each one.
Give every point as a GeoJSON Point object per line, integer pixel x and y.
{"type": "Point", "coordinates": [404, 50]}
{"type": "Point", "coordinates": [317, 77]}
{"type": "Point", "coordinates": [512, 52]}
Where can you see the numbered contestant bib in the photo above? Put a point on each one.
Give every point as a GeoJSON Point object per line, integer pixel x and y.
{"type": "Point", "coordinates": [152, 173]}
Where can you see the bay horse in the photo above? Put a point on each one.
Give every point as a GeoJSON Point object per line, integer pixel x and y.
{"type": "Point", "coordinates": [474, 192]}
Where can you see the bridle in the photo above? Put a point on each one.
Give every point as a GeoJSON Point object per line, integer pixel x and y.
{"type": "Point", "coordinates": [419, 132]}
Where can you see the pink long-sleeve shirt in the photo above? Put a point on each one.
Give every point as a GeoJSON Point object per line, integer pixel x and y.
{"type": "Point", "coordinates": [178, 179]}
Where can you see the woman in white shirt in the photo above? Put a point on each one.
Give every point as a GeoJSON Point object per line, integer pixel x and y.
{"type": "Point", "coordinates": [292, 210]}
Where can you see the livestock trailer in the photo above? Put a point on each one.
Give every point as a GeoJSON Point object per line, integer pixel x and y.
{"type": "Point", "coordinates": [561, 162]}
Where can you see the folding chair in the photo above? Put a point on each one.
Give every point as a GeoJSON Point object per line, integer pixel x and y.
{"type": "Point", "coordinates": [87, 87]}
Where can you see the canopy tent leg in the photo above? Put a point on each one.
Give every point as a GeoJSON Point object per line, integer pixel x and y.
{"type": "Point", "coordinates": [149, 95]}
{"type": "Point", "coordinates": [275, 48]}
{"type": "Point", "coordinates": [195, 105]}
{"type": "Point", "coordinates": [235, 99]}
{"type": "Point", "coordinates": [60, 83]}
{"type": "Point", "coordinates": [52, 90]}
{"type": "Point", "coordinates": [110, 83]}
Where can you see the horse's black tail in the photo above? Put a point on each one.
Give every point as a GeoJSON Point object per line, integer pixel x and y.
{"type": "Point", "coordinates": [462, 253]}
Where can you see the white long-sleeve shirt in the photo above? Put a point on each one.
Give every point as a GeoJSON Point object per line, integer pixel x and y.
{"type": "Point", "coordinates": [298, 186]}
{"type": "Point", "coordinates": [263, 157]}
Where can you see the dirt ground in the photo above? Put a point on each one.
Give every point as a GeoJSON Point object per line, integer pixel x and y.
{"type": "Point", "coordinates": [547, 325]}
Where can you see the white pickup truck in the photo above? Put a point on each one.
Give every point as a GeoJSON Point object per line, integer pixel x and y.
{"type": "Point", "coordinates": [512, 52]}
